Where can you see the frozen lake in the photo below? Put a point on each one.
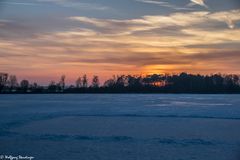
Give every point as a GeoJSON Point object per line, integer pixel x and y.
{"type": "Point", "coordinates": [121, 127]}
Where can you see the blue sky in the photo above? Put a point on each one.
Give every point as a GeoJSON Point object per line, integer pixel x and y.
{"type": "Point", "coordinates": [47, 38]}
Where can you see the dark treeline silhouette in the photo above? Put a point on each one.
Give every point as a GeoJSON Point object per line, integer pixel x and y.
{"type": "Point", "coordinates": [155, 83]}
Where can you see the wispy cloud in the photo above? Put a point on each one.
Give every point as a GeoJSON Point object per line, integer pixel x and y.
{"type": "Point", "coordinates": [19, 3]}
{"type": "Point", "coordinates": [113, 26]}
{"type": "Point", "coordinates": [164, 4]}
{"type": "Point", "coordinates": [77, 4]}
{"type": "Point", "coordinates": [229, 17]}
{"type": "Point", "coordinates": [153, 2]}
{"type": "Point", "coordinates": [198, 2]}
{"type": "Point", "coordinates": [145, 23]}
{"type": "Point", "coordinates": [64, 3]}
{"type": "Point", "coordinates": [161, 43]}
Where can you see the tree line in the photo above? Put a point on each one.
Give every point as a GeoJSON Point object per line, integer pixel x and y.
{"type": "Point", "coordinates": [155, 83]}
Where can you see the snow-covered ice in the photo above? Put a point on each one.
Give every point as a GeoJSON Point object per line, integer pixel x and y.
{"type": "Point", "coordinates": [121, 126]}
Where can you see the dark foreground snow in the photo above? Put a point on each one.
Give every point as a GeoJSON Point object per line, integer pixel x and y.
{"type": "Point", "coordinates": [121, 127]}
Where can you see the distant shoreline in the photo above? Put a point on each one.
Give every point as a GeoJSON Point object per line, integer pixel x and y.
{"type": "Point", "coordinates": [183, 83]}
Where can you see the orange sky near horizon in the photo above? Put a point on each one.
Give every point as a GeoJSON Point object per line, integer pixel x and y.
{"type": "Point", "coordinates": [41, 40]}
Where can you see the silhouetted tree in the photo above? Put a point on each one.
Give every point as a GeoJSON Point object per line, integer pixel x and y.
{"type": "Point", "coordinates": [95, 82]}
{"type": "Point", "coordinates": [236, 79]}
{"type": "Point", "coordinates": [24, 85]}
{"type": "Point", "coordinates": [34, 86]}
{"type": "Point", "coordinates": [53, 87]}
{"type": "Point", "coordinates": [156, 83]}
{"type": "Point", "coordinates": [154, 80]}
{"type": "Point", "coordinates": [85, 81]}
{"type": "Point", "coordinates": [79, 82]}
{"type": "Point", "coordinates": [109, 83]}
{"type": "Point", "coordinates": [62, 82]}
{"type": "Point", "coordinates": [121, 81]}
{"type": "Point", "coordinates": [135, 81]}
{"type": "Point", "coordinates": [13, 84]}
{"type": "Point", "coordinates": [3, 80]}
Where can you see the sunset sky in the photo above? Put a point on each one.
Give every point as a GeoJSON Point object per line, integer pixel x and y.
{"type": "Point", "coordinates": [43, 39]}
